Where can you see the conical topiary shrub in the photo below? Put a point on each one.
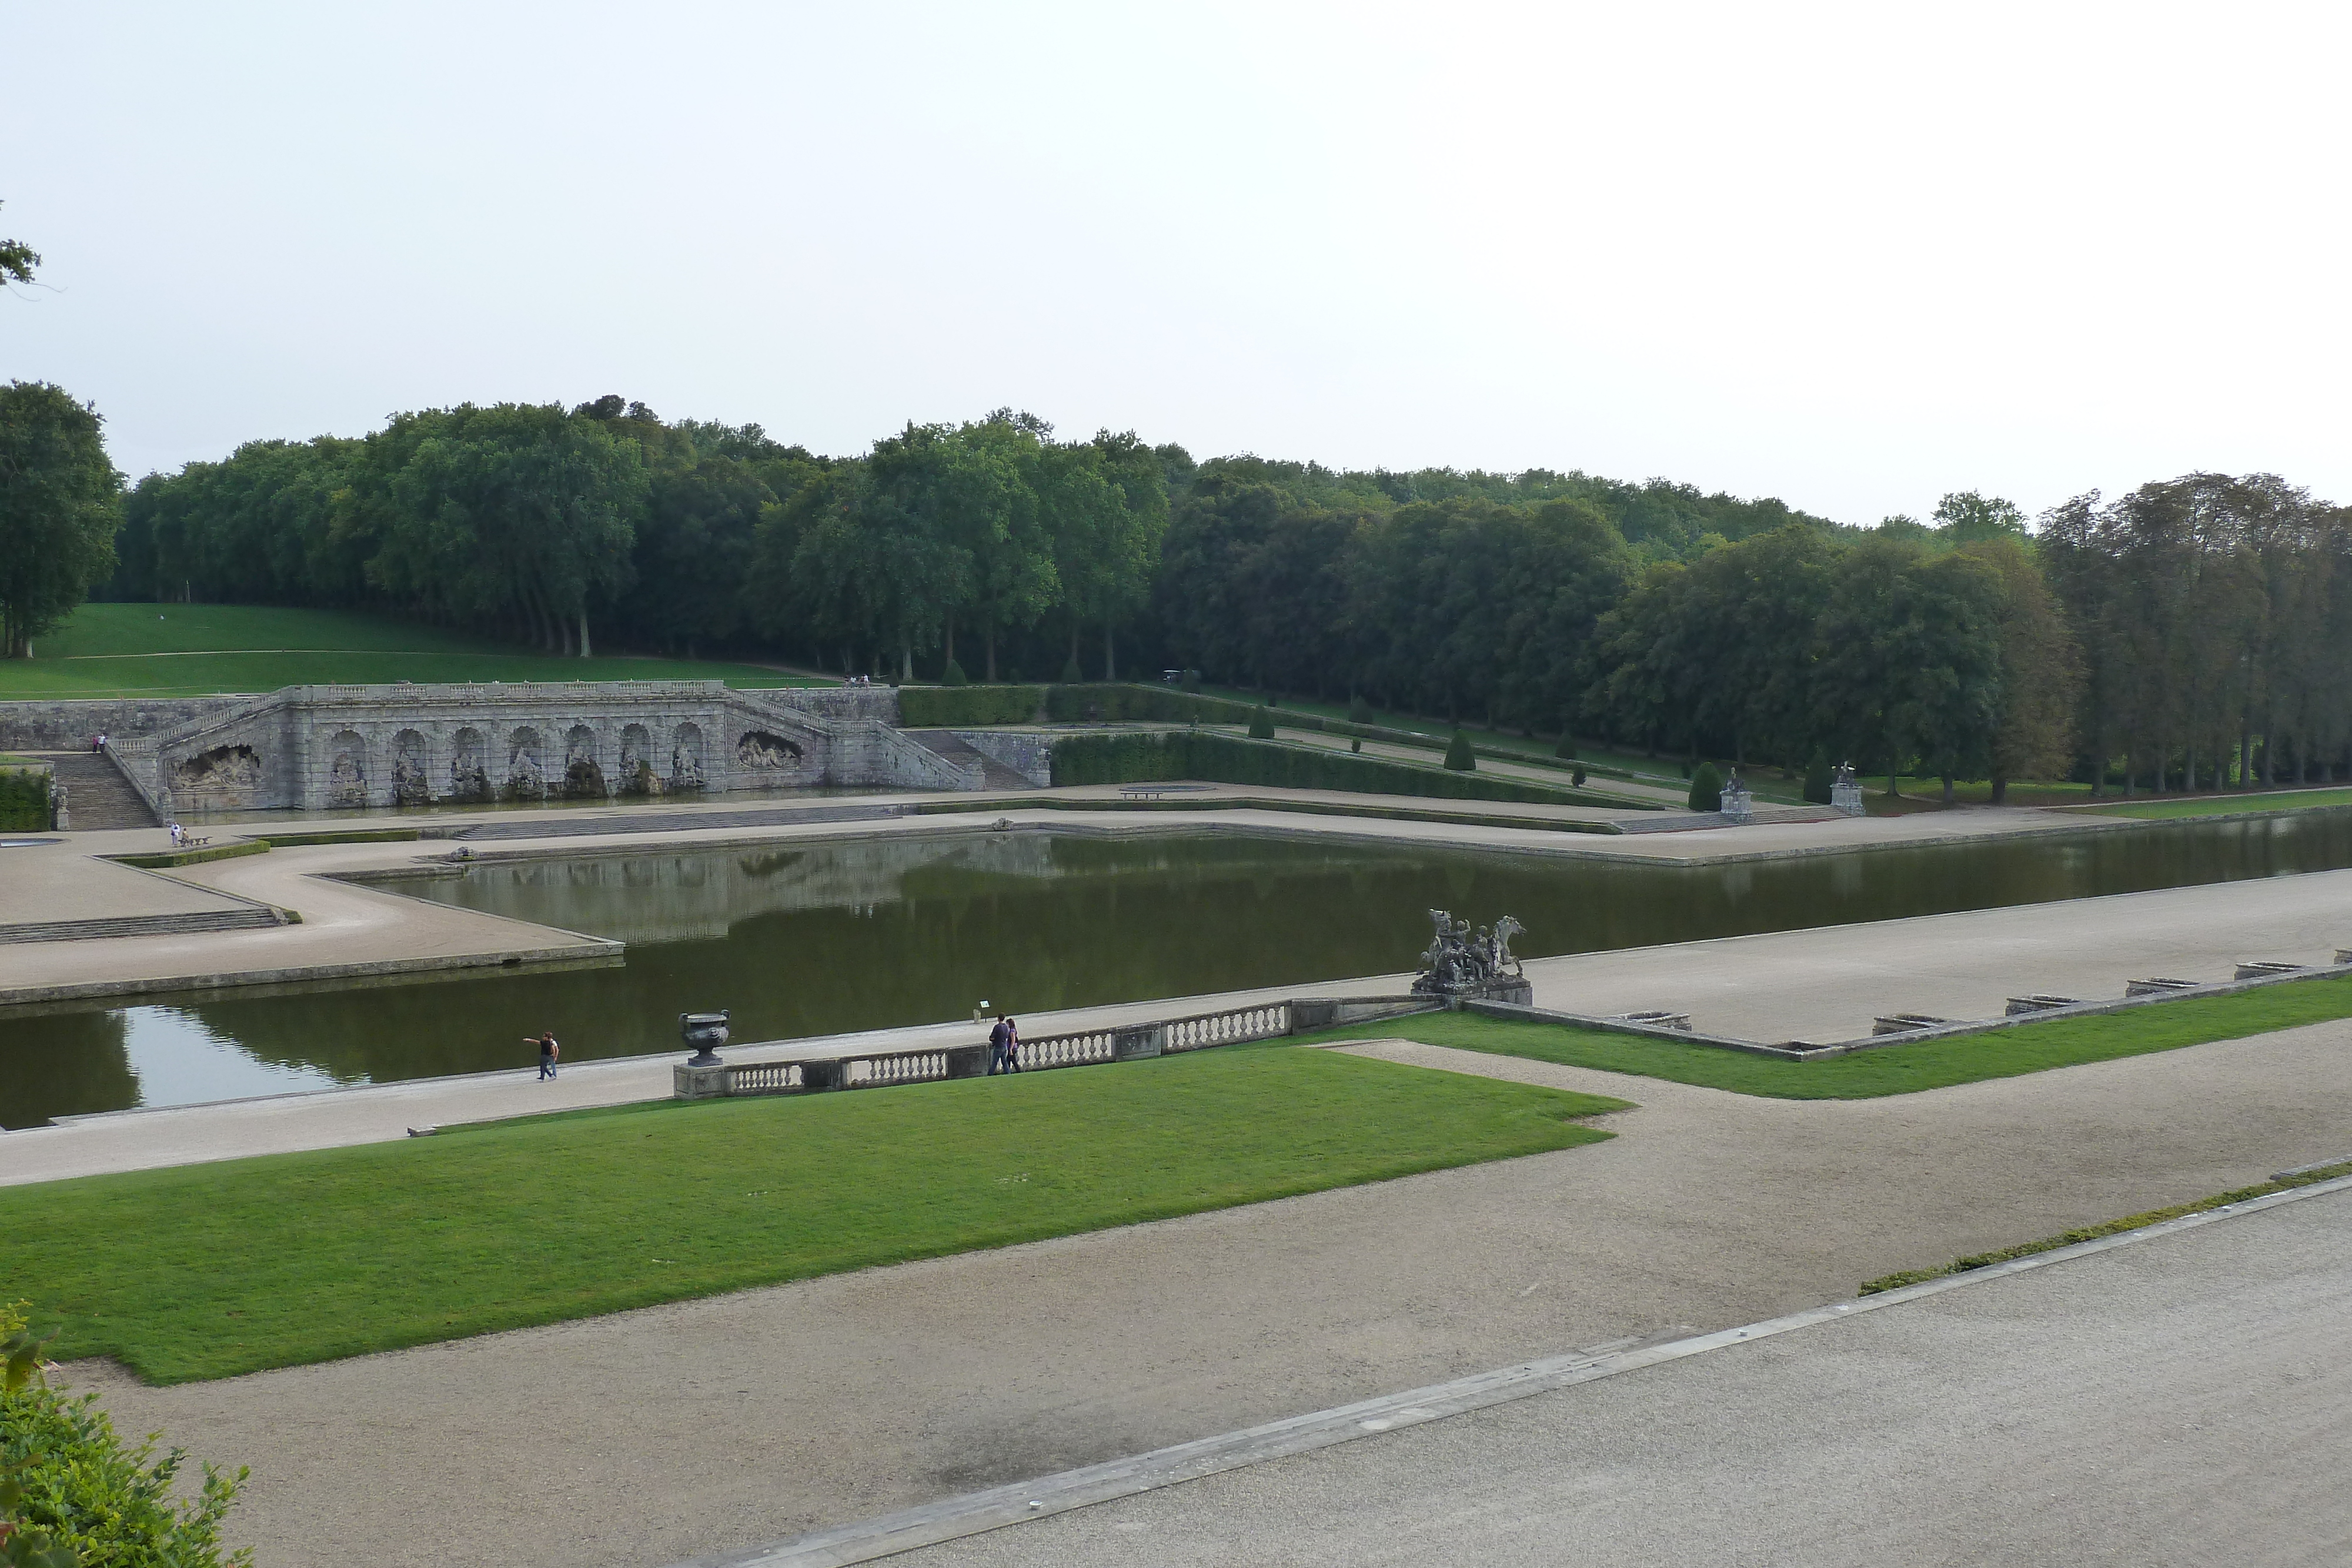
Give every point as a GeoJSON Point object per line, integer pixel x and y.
{"type": "Point", "coordinates": [953, 675]}
{"type": "Point", "coordinates": [1071, 675]}
{"type": "Point", "coordinates": [1261, 723]}
{"type": "Point", "coordinates": [1358, 710]}
{"type": "Point", "coordinates": [1817, 781]}
{"type": "Point", "coordinates": [1706, 789]}
{"type": "Point", "coordinates": [1458, 755]}
{"type": "Point", "coordinates": [1578, 779]}
{"type": "Point", "coordinates": [1566, 749]}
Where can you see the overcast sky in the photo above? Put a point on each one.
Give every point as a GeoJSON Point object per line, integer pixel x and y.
{"type": "Point", "coordinates": [1854, 258]}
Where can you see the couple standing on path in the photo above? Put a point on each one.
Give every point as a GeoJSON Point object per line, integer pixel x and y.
{"type": "Point", "coordinates": [1005, 1047]}
{"type": "Point", "coordinates": [548, 1051]}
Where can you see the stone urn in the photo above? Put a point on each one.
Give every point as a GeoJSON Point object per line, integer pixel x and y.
{"type": "Point", "coordinates": [706, 1032]}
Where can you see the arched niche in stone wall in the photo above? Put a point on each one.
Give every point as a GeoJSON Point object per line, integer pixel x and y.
{"type": "Point", "coordinates": [685, 757]}
{"type": "Point", "coordinates": [765, 755]}
{"type": "Point", "coordinates": [225, 779]}
{"type": "Point", "coordinates": [637, 774]}
{"type": "Point", "coordinates": [347, 770]}
{"type": "Point", "coordinates": [526, 768]}
{"type": "Point", "coordinates": [584, 775]}
{"type": "Point", "coordinates": [470, 771]}
{"type": "Point", "coordinates": [412, 778]}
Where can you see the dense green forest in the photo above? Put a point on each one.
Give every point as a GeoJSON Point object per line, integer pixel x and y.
{"type": "Point", "coordinates": [2185, 635]}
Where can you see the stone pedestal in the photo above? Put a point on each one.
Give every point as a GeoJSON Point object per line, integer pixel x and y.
{"type": "Point", "coordinates": [1846, 799]}
{"type": "Point", "coordinates": [699, 1082]}
{"type": "Point", "coordinates": [1737, 806]}
{"type": "Point", "coordinates": [967, 1062]}
{"type": "Point", "coordinates": [1515, 989]}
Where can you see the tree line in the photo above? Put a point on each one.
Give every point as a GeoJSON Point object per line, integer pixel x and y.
{"type": "Point", "coordinates": [2187, 634]}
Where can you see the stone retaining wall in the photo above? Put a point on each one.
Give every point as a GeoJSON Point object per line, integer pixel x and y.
{"type": "Point", "coordinates": [1030, 756]}
{"type": "Point", "coordinates": [66, 726]}
{"type": "Point", "coordinates": [328, 747]}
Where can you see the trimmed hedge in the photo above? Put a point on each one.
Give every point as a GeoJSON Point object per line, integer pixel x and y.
{"type": "Point", "coordinates": [23, 799]}
{"type": "Point", "coordinates": [967, 708]}
{"type": "Point", "coordinates": [1122, 702]}
{"type": "Point", "coordinates": [1139, 758]}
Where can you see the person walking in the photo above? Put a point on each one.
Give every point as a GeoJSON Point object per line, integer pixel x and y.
{"type": "Point", "coordinates": [1000, 1048]}
{"type": "Point", "coordinates": [548, 1051]}
{"type": "Point", "coordinates": [1012, 1045]}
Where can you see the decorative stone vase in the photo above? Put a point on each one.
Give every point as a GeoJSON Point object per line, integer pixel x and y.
{"type": "Point", "coordinates": [706, 1032]}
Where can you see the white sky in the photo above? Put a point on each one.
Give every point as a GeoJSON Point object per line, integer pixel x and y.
{"type": "Point", "coordinates": [1854, 258]}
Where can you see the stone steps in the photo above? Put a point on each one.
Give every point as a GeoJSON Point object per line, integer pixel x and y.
{"type": "Point", "coordinates": [137, 925]}
{"type": "Point", "coordinates": [947, 744]}
{"type": "Point", "coordinates": [98, 796]}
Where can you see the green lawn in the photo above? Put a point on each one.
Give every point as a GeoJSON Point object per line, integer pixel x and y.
{"type": "Point", "coordinates": [139, 649]}
{"type": "Point", "coordinates": [2224, 805]}
{"type": "Point", "coordinates": [1890, 1068]}
{"type": "Point", "coordinates": [215, 1269]}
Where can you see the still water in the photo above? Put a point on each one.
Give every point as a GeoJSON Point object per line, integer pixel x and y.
{"type": "Point", "coordinates": [821, 938]}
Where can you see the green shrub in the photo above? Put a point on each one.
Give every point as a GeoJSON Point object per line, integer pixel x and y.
{"type": "Point", "coordinates": [1706, 789]}
{"type": "Point", "coordinates": [1578, 779]}
{"type": "Point", "coordinates": [1071, 675]}
{"type": "Point", "coordinates": [1261, 725]}
{"type": "Point", "coordinates": [1136, 759]}
{"type": "Point", "coordinates": [23, 799]}
{"type": "Point", "coordinates": [1358, 710]}
{"type": "Point", "coordinates": [1566, 749]}
{"type": "Point", "coordinates": [1458, 755]}
{"type": "Point", "coordinates": [953, 675]}
{"type": "Point", "coordinates": [1356, 746]}
{"type": "Point", "coordinates": [967, 708]}
{"type": "Point", "coordinates": [1192, 682]}
{"type": "Point", "coordinates": [71, 1492]}
{"type": "Point", "coordinates": [1817, 779]}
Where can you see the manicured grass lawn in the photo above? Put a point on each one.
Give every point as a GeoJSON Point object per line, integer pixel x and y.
{"type": "Point", "coordinates": [119, 649]}
{"type": "Point", "coordinates": [215, 1269]}
{"type": "Point", "coordinates": [1892, 1069]}
{"type": "Point", "coordinates": [2224, 805]}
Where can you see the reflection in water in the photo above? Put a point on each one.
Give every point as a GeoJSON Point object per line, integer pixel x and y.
{"type": "Point", "coordinates": [824, 938]}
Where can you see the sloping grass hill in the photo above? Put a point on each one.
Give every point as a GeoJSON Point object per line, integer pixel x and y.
{"type": "Point", "coordinates": [194, 650]}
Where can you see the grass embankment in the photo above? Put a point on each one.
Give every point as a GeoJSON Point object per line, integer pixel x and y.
{"type": "Point", "coordinates": [2112, 1227]}
{"type": "Point", "coordinates": [215, 1269]}
{"type": "Point", "coordinates": [1888, 1068]}
{"type": "Point", "coordinates": [194, 650]}
{"type": "Point", "coordinates": [2227, 805]}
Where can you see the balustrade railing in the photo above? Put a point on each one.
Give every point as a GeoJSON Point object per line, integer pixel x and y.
{"type": "Point", "coordinates": [1229, 1027]}
{"type": "Point", "coordinates": [1085, 1048]}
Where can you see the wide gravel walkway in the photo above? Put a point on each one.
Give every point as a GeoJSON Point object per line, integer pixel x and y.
{"type": "Point", "coordinates": [652, 1436]}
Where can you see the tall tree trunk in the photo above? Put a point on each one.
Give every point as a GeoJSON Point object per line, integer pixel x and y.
{"type": "Point", "coordinates": [2189, 773]}
{"type": "Point", "coordinates": [1075, 629]}
{"type": "Point", "coordinates": [951, 646]}
{"type": "Point", "coordinates": [584, 632]}
{"type": "Point", "coordinates": [988, 640]}
{"type": "Point", "coordinates": [2270, 752]}
{"type": "Point", "coordinates": [1947, 789]}
{"type": "Point", "coordinates": [2000, 788]}
{"type": "Point", "coordinates": [906, 660]}
{"type": "Point", "coordinates": [2245, 751]}
{"type": "Point", "coordinates": [2131, 765]}
{"type": "Point", "coordinates": [1110, 655]}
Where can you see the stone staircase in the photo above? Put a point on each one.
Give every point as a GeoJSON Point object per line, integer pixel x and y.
{"type": "Point", "coordinates": [97, 795]}
{"type": "Point", "coordinates": [946, 743]}
{"type": "Point", "coordinates": [137, 925]}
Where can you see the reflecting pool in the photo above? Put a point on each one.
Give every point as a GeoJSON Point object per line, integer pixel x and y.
{"type": "Point", "coordinates": [818, 938]}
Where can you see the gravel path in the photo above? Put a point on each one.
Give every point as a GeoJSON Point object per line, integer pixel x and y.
{"type": "Point", "coordinates": [2178, 1402]}
{"type": "Point", "coordinates": [652, 1436]}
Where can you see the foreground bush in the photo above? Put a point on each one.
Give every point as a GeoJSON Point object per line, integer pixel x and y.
{"type": "Point", "coordinates": [74, 1495]}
